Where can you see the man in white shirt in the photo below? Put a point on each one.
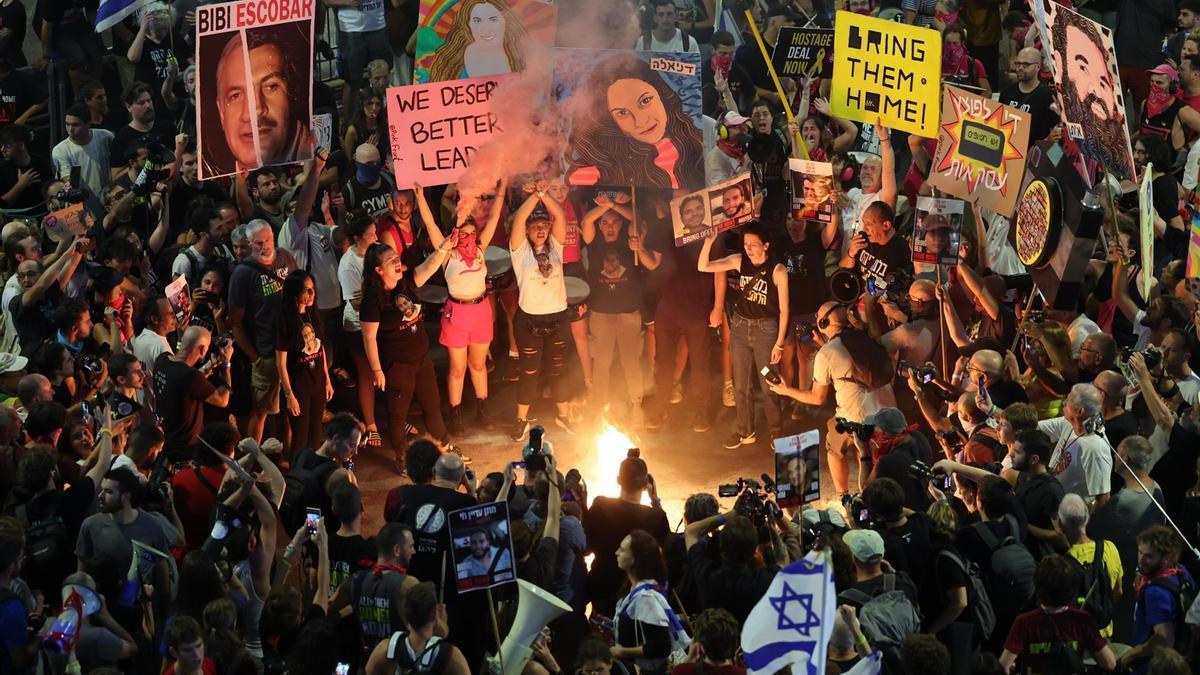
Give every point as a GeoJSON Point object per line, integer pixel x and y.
{"type": "Point", "coordinates": [86, 148]}
{"type": "Point", "coordinates": [878, 178]}
{"type": "Point", "coordinates": [159, 319]}
{"type": "Point", "coordinates": [1177, 352]}
{"type": "Point", "coordinates": [1082, 459]}
{"type": "Point", "coordinates": [666, 36]}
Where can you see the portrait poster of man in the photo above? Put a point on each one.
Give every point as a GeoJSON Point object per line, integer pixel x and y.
{"type": "Point", "coordinates": [630, 118]}
{"type": "Point", "coordinates": [937, 231]}
{"type": "Point", "coordinates": [798, 468]}
{"type": "Point", "coordinates": [722, 207]}
{"type": "Point", "coordinates": [459, 39]}
{"type": "Point", "coordinates": [482, 546]}
{"type": "Point", "coordinates": [1084, 66]}
{"type": "Point", "coordinates": [180, 297]}
{"type": "Point", "coordinates": [812, 190]}
{"type": "Point", "coordinates": [254, 85]}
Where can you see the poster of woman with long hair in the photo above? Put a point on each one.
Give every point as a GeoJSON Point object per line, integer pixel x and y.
{"type": "Point", "coordinates": [632, 118]}
{"type": "Point", "coordinates": [460, 39]}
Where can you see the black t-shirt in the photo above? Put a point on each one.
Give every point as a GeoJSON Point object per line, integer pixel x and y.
{"type": "Point", "coordinates": [257, 290]}
{"type": "Point", "coordinates": [908, 547]}
{"type": "Point", "coordinates": [304, 352]}
{"type": "Point", "coordinates": [1006, 392]}
{"type": "Point", "coordinates": [32, 195]}
{"type": "Point", "coordinates": [71, 506]}
{"type": "Point", "coordinates": [424, 509]}
{"type": "Point", "coordinates": [1037, 104]}
{"type": "Point", "coordinates": [35, 323]}
{"type": "Point", "coordinates": [400, 339]}
{"type": "Point", "coordinates": [607, 522]}
{"type": "Point", "coordinates": [126, 136]}
{"type": "Point", "coordinates": [686, 294]}
{"type": "Point", "coordinates": [374, 201]}
{"type": "Point", "coordinates": [895, 465]}
{"type": "Point", "coordinates": [1175, 471]}
{"type": "Point", "coordinates": [616, 283]}
{"type": "Point", "coordinates": [881, 262]}
{"type": "Point", "coordinates": [155, 61]}
{"type": "Point", "coordinates": [12, 17]}
{"type": "Point", "coordinates": [18, 92]}
{"type": "Point", "coordinates": [946, 575]}
{"type": "Point", "coordinates": [1120, 427]}
{"type": "Point", "coordinates": [735, 589]}
{"type": "Point", "coordinates": [69, 17]}
{"type": "Point", "coordinates": [182, 195]}
{"type": "Point", "coordinates": [348, 555]}
{"type": "Point", "coordinates": [1039, 497]}
{"type": "Point", "coordinates": [805, 265]}
{"type": "Point", "coordinates": [180, 394]}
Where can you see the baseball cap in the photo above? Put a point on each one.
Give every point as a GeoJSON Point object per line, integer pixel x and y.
{"type": "Point", "coordinates": [865, 545]}
{"type": "Point", "coordinates": [1164, 69]}
{"type": "Point", "coordinates": [733, 119]}
{"type": "Point", "coordinates": [12, 362]}
{"type": "Point", "coordinates": [888, 420]}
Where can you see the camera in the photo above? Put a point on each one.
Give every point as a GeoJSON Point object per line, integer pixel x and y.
{"type": "Point", "coordinates": [856, 508]}
{"type": "Point", "coordinates": [1151, 355]}
{"type": "Point", "coordinates": [534, 453]}
{"type": "Point", "coordinates": [924, 373]}
{"type": "Point", "coordinates": [71, 195]}
{"type": "Point", "coordinates": [752, 502]}
{"type": "Point", "coordinates": [952, 438]}
{"type": "Point", "coordinates": [844, 426]}
{"type": "Point", "coordinates": [575, 487]}
{"type": "Point", "coordinates": [922, 471]}
{"type": "Point", "coordinates": [91, 364]}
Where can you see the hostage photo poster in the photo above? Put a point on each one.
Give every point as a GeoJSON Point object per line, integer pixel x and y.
{"type": "Point", "coordinates": [481, 543]}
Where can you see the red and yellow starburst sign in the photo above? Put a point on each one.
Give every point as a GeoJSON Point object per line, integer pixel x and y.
{"type": "Point", "coordinates": [981, 150]}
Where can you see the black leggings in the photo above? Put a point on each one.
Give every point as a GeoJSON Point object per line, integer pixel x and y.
{"type": "Point", "coordinates": [404, 381]}
{"type": "Point", "coordinates": [543, 342]}
{"type": "Point", "coordinates": [306, 429]}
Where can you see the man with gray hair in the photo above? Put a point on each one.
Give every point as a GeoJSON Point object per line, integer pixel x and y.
{"type": "Point", "coordinates": [1082, 458]}
{"type": "Point", "coordinates": [1072, 522]}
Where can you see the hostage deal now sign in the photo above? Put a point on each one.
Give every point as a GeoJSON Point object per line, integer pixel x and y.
{"type": "Point", "coordinates": [436, 128]}
{"type": "Point", "coordinates": [886, 71]}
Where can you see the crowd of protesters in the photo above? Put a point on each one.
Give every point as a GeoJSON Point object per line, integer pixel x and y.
{"type": "Point", "coordinates": [1025, 492]}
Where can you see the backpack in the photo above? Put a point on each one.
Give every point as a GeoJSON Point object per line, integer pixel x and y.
{"type": "Point", "coordinates": [1062, 657]}
{"type": "Point", "coordinates": [1183, 591]}
{"type": "Point", "coordinates": [647, 37]}
{"type": "Point", "coordinates": [1010, 582]}
{"type": "Point", "coordinates": [888, 616]}
{"type": "Point", "coordinates": [1097, 594]}
{"type": "Point", "coordinates": [978, 602]}
{"type": "Point", "coordinates": [871, 366]}
{"type": "Point", "coordinates": [47, 542]}
{"type": "Point", "coordinates": [432, 659]}
{"type": "Point", "coordinates": [305, 486]}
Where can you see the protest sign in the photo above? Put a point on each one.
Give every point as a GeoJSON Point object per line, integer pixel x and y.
{"type": "Point", "coordinates": [886, 71]}
{"type": "Point", "coordinates": [437, 128]}
{"type": "Point", "coordinates": [938, 230]}
{"type": "Point", "coordinates": [803, 52]}
{"type": "Point", "coordinates": [632, 118]}
{"type": "Point", "coordinates": [812, 190]}
{"type": "Point", "coordinates": [1193, 257]}
{"type": "Point", "coordinates": [798, 468]}
{"type": "Point", "coordinates": [482, 547]}
{"type": "Point", "coordinates": [323, 127]}
{"type": "Point", "coordinates": [65, 223]}
{"type": "Point", "coordinates": [180, 297]}
{"type": "Point", "coordinates": [461, 39]}
{"type": "Point", "coordinates": [1146, 220]}
{"type": "Point", "coordinates": [253, 84]}
{"type": "Point", "coordinates": [1084, 67]}
{"type": "Point", "coordinates": [721, 207]}
{"type": "Point", "coordinates": [981, 151]}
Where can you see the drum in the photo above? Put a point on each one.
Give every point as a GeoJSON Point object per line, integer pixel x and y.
{"type": "Point", "coordinates": [433, 297]}
{"type": "Point", "coordinates": [577, 295]}
{"type": "Point", "coordinates": [500, 276]}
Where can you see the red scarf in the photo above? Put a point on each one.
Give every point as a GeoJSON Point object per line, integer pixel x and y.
{"type": "Point", "coordinates": [379, 568]}
{"type": "Point", "coordinates": [1144, 580]}
{"type": "Point", "coordinates": [468, 253]}
{"type": "Point", "coordinates": [1158, 100]}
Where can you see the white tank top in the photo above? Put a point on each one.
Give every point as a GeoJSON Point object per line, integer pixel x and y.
{"type": "Point", "coordinates": [466, 282]}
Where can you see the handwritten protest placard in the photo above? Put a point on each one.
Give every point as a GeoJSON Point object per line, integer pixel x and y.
{"type": "Point", "coordinates": [886, 71]}
{"type": "Point", "coordinates": [436, 128]}
{"type": "Point", "coordinates": [803, 52]}
{"type": "Point", "coordinates": [262, 46]}
{"type": "Point", "coordinates": [68, 222]}
{"type": "Point", "coordinates": [981, 151]}
{"type": "Point", "coordinates": [722, 207]}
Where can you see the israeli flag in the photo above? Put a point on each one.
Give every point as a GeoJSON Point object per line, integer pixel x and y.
{"type": "Point", "coordinates": [112, 12]}
{"type": "Point", "coordinates": [791, 624]}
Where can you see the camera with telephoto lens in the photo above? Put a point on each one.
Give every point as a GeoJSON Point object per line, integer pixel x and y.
{"type": "Point", "coordinates": [923, 373]}
{"type": "Point", "coordinates": [1151, 355]}
{"type": "Point", "coordinates": [856, 508]}
{"type": "Point", "coordinates": [860, 429]}
{"type": "Point", "coordinates": [91, 364]}
{"type": "Point", "coordinates": [534, 454]}
{"type": "Point", "coordinates": [156, 169]}
{"type": "Point", "coordinates": [71, 195]}
{"type": "Point", "coordinates": [751, 499]}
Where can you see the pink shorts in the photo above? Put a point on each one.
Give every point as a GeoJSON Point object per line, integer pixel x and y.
{"type": "Point", "coordinates": [464, 325]}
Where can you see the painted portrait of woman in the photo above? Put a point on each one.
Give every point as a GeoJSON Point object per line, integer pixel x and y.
{"type": "Point", "coordinates": [486, 38]}
{"type": "Point", "coordinates": [630, 128]}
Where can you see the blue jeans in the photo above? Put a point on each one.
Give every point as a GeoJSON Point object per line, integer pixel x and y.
{"type": "Point", "coordinates": [750, 344]}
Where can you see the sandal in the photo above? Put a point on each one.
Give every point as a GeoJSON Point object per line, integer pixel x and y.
{"type": "Point", "coordinates": [374, 440]}
{"type": "Point", "coordinates": [411, 430]}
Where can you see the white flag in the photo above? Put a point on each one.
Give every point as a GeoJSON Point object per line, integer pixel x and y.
{"type": "Point", "coordinates": [790, 625]}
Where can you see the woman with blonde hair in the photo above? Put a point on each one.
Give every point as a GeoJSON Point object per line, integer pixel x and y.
{"type": "Point", "coordinates": [486, 38]}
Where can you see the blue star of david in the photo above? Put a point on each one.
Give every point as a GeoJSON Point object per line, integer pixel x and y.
{"type": "Point", "coordinates": [808, 620]}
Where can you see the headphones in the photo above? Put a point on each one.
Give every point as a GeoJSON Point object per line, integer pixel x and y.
{"type": "Point", "coordinates": [722, 131]}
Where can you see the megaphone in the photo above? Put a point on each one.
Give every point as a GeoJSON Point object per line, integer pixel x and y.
{"type": "Point", "coordinates": [536, 607]}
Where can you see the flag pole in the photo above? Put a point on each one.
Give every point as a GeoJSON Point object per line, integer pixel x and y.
{"type": "Point", "coordinates": [787, 106]}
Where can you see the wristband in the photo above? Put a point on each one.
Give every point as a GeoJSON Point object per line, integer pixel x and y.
{"type": "Point", "coordinates": [861, 641]}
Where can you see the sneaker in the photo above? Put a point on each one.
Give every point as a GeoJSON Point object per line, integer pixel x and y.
{"type": "Point", "coordinates": [519, 429]}
{"type": "Point", "coordinates": [453, 449]}
{"type": "Point", "coordinates": [727, 398]}
{"type": "Point", "coordinates": [564, 424]}
{"type": "Point", "coordinates": [701, 423]}
{"type": "Point", "coordinates": [654, 420]}
{"type": "Point", "coordinates": [676, 394]}
{"type": "Point", "coordinates": [736, 440]}
{"type": "Point", "coordinates": [482, 417]}
{"type": "Point", "coordinates": [454, 423]}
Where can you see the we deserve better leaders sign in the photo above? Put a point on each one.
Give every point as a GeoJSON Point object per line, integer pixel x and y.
{"type": "Point", "coordinates": [436, 128]}
{"type": "Point", "coordinates": [886, 71]}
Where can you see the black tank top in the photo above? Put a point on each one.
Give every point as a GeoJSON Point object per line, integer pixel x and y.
{"type": "Point", "coordinates": [757, 297]}
{"type": "Point", "coordinates": [373, 606]}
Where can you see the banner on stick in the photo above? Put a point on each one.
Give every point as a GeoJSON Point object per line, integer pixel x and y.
{"type": "Point", "coordinates": [482, 545]}
{"type": "Point", "coordinates": [801, 52]}
{"type": "Point", "coordinates": [938, 230]}
{"type": "Point", "coordinates": [722, 207]}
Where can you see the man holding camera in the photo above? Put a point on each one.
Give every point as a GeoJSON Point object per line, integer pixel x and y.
{"type": "Point", "coordinates": [1082, 458]}
{"type": "Point", "coordinates": [835, 367]}
{"type": "Point", "coordinates": [891, 450]}
{"type": "Point", "coordinates": [182, 388]}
